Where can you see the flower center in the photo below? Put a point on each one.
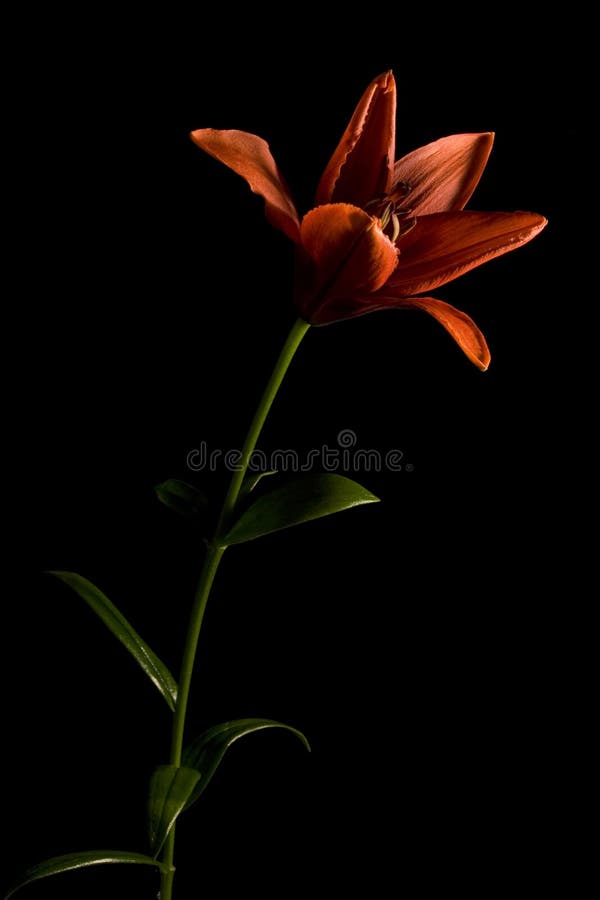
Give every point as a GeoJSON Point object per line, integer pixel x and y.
{"type": "Point", "coordinates": [393, 215]}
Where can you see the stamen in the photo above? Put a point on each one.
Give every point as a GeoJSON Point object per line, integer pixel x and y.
{"type": "Point", "coordinates": [385, 215]}
{"type": "Point", "coordinates": [406, 226]}
{"type": "Point", "coordinates": [393, 217]}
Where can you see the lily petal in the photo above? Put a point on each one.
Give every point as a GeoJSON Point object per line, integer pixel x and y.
{"type": "Point", "coordinates": [444, 246]}
{"type": "Point", "coordinates": [343, 252]}
{"type": "Point", "coordinates": [249, 156]}
{"type": "Point", "coordinates": [443, 175]}
{"type": "Point", "coordinates": [361, 167]}
{"type": "Point", "coordinates": [458, 324]}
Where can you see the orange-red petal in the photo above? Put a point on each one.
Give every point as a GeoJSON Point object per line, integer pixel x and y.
{"type": "Point", "coordinates": [361, 167]}
{"type": "Point", "coordinates": [458, 325]}
{"type": "Point", "coordinates": [443, 175]}
{"type": "Point", "coordinates": [444, 246]}
{"type": "Point", "coordinates": [343, 253]}
{"type": "Point", "coordinates": [250, 157]}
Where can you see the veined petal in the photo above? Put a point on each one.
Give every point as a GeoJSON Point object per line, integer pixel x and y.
{"type": "Point", "coordinates": [457, 323]}
{"type": "Point", "coordinates": [250, 156]}
{"type": "Point", "coordinates": [362, 165]}
{"type": "Point", "coordinates": [343, 252]}
{"type": "Point", "coordinates": [443, 175]}
{"type": "Point", "coordinates": [444, 246]}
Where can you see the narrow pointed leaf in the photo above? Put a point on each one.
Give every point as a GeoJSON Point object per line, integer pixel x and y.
{"type": "Point", "coordinates": [120, 627]}
{"type": "Point", "coordinates": [170, 790]}
{"type": "Point", "coordinates": [181, 497]}
{"type": "Point", "coordinates": [305, 498]}
{"type": "Point", "coordinates": [207, 751]}
{"type": "Point", "coordinates": [250, 482]}
{"type": "Point", "coordinates": [71, 861]}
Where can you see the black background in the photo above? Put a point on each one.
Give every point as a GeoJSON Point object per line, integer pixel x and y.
{"type": "Point", "coordinates": [411, 641]}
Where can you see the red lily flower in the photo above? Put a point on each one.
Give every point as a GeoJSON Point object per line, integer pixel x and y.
{"type": "Point", "coordinates": [382, 232]}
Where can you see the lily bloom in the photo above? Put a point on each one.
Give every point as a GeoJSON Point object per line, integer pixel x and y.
{"type": "Point", "coordinates": [383, 233]}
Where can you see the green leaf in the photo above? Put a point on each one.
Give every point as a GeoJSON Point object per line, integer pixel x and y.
{"type": "Point", "coordinates": [181, 497]}
{"type": "Point", "coordinates": [170, 790]}
{"type": "Point", "coordinates": [71, 861]}
{"type": "Point", "coordinates": [250, 482]}
{"type": "Point", "coordinates": [308, 497]}
{"type": "Point", "coordinates": [120, 627]}
{"type": "Point", "coordinates": [207, 751]}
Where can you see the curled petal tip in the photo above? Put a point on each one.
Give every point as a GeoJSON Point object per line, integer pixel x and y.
{"type": "Point", "coordinates": [484, 363]}
{"type": "Point", "coordinates": [533, 227]}
{"type": "Point", "coordinates": [388, 82]}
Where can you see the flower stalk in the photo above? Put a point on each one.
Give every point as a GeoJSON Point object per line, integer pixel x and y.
{"type": "Point", "coordinates": [215, 551]}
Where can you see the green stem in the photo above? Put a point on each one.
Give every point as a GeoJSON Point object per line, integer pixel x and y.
{"type": "Point", "coordinates": [292, 343]}
{"type": "Point", "coordinates": [214, 554]}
